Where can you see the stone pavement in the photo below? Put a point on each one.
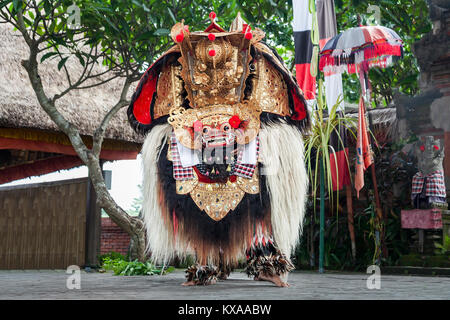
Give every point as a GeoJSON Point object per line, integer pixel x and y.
{"type": "Point", "coordinates": [51, 284]}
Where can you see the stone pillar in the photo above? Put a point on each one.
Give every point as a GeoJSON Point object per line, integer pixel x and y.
{"type": "Point", "coordinates": [447, 161]}
{"type": "Point", "coordinates": [440, 118]}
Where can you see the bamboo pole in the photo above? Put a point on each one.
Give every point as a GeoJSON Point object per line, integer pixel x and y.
{"type": "Point", "coordinates": [322, 218]}
{"type": "Point", "coordinates": [350, 220]}
{"type": "Point", "coordinates": [312, 253]}
{"type": "Point", "coordinates": [379, 233]}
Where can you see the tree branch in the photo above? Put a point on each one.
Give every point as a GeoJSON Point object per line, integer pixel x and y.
{"type": "Point", "coordinates": [31, 66]}
{"type": "Point", "coordinates": [100, 132]}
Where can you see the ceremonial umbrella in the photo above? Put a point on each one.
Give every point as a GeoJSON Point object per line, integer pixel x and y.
{"type": "Point", "coordinates": [357, 50]}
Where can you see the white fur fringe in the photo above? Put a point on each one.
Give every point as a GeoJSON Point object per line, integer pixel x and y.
{"type": "Point", "coordinates": [282, 154]}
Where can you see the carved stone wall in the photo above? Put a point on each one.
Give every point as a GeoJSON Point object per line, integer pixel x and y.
{"type": "Point", "coordinates": [429, 112]}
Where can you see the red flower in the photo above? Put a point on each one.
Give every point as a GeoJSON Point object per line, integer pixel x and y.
{"type": "Point", "coordinates": [235, 121]}
{"type": "Point", "coordinates": [212, 52]}
{"type": "Point", "coordinates": [248, 36]}
{"type": "Point", "coordinates": [180, 37]}
{"type": "Point", "coordinates": [212, 15]}
{"type": "Point", "coordinates": [211, 36]}
{"type": "Point", "coordinates": [198, 126]}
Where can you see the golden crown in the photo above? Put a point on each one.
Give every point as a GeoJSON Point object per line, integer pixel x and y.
{"type": "Point", "coordinates": [213, 69]}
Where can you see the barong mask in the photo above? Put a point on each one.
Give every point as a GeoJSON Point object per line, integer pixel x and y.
{"type": "Point", "coordinates": [213, 87]}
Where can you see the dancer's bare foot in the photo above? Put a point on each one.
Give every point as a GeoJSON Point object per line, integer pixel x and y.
{"type": "Point", "coordinates": [275, 279]}
{"type": "Point", "coordinates": [256, 278]}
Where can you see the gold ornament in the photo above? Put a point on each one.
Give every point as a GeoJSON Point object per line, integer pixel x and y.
{"type": "Point", "coordinates": [182, 121]}
{"type": "Point", "coordinates": [215, 72]}
{"type": "Point", "coordinates": [170, 87]}
{"type": "Point", "coordinates": [218, 199]}
{"type": "Point", "coordinates": [269, 89]}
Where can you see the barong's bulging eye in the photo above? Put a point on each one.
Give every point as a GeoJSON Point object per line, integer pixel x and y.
{"type": "Point", "coordinates": [226, 128]}
{"type": "Point", "coordinates": [205, 130]}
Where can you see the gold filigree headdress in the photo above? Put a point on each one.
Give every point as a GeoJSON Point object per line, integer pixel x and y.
{"type": "Point", "coordinates": [216, 68]}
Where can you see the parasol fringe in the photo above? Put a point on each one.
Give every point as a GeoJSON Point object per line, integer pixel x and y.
{"type": "Point", "coordinates": [376, 54]}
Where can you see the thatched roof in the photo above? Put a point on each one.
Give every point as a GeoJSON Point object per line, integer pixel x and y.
{"type": "Point", "coordinates": [384, 121]}
{"type": "Point", "coordinates": [380, 116]}
{"type": "Point", "coordinates": [19, 107]}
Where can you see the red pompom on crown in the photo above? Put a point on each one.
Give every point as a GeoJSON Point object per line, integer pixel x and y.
{"type": "Point", "coordinates": [212, 52]}
{"type": "Point", "coordinates": [234, 121]}
{"type": "Point", "coordinates": [246, 28]}
{"type": "Point", "coordinates": [212, 15]}
{"type": "Point", "coordinates": [212, 36]}
{"type": "Point", "coordinates": [180, 37]}
{"type": "Point", "coordinates": [248, 36]}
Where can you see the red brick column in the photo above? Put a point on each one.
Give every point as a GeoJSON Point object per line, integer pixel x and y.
{"type": "Point", "coordinates": [113, 238]}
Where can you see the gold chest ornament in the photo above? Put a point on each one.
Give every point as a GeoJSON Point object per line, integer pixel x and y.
{"type": "Point", "coordinates": [217, 199]}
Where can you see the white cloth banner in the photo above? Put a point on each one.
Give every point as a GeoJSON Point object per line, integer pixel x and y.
{"type": "Point", "coordinates": [302, 17]}
{"type": "Point", "coordinates": [334, 92]}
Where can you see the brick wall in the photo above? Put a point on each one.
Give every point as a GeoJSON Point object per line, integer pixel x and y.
{"type": "Point", "coordinates": [113, 238]}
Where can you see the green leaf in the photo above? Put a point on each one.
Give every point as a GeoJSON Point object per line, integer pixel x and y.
{"type": "Point", "coordinates": [80, 58]}
{"type": "Point", "coordinates": [172, 15]}
{"type": "Point", "coordinates": [52, 26]}
{"type": "Point", "coordinates": [3, 4]}
{"type": "Point", "coordinates": [62, 62]}
{"type": "Point", "coordinates": [161, 32]}
{"type": "Point", "coordinates": [17, 4]}
{"type": "Point", "coordinates": [48, 55]}
{"type": "Point", "coordinates": [47, 7]}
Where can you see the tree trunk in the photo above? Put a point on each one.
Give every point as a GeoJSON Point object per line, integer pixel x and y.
{"type": "Point", "coordinates": [137, 247]}
{"type": "Point", "coordinates": [132, 225]}
{"type": "Point", "coordinates": [90, 157]}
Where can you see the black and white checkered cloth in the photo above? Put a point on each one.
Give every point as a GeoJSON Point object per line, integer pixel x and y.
{"type": "Point", "coordinates": [179, 172]}
{"type": "Point", "coordinates": [435, 185]}
{"type": "Point", "coordinates": [246, 170]}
